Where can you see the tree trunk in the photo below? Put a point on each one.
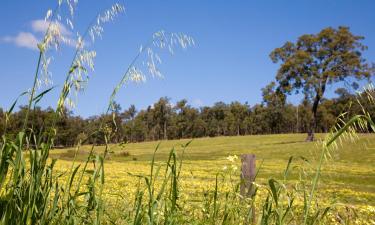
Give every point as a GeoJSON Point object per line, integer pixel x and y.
{"type": "Point", "coordinates": [165, 130]}
{"type": "Point", "coordinates": [314, 122]}
{"type": "Point", "coordinates": [312, 128]}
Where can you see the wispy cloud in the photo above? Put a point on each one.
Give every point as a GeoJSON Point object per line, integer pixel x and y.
{"type": "Point", "coordinates": [30, 40]}
{"type": "Point", "coordinates": [23, 39]}
{"type": "Point", "coordinates": [197, 103]}
{"type": "Point", "coordinates": [41, 26]}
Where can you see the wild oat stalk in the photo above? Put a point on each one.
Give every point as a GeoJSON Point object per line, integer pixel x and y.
{"type": "Point", "coordinates": [30, 192]}
{"type": "Point", "coordinates": [343, 130]}
{"type": "Point", "coordinates": [160, 41]}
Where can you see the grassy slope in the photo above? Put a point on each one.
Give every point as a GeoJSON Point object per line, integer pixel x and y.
{"type": "Point", "coordinates": [349, 174]}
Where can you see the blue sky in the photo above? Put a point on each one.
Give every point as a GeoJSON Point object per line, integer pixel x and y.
{"type": "Point", "coordinates": [229, 62]}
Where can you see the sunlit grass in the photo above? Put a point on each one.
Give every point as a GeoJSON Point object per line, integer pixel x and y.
{"type": "Point", "coordinates": [348, 177]}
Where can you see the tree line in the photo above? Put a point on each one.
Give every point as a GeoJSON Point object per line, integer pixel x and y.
{"type": "Point", "coordinates": [164, 120]}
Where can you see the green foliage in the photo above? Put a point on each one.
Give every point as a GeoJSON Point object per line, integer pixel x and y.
{"type": "Point", "coordinates": [33, 194]}
{"type": "Point", "coordinates": [317, 60]}
{"type": "Point", "coordinates": [184, 121]}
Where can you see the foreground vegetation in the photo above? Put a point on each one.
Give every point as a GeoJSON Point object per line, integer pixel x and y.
{"type": "Point", "coordinates": [351, 169]}
{"type": "Point", "coordinates": [137, 185]}
{"type": "Point", "coordinates": [347, 179]}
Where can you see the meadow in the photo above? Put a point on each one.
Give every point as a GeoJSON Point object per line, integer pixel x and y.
{"type": "Point", "coordinates": [348, 174]}
{"type": "Point", "coordinates": [329, 179]}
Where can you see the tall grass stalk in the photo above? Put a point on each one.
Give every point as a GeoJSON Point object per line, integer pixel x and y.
{"type": "Point", "coordinates": [339, 131]}
{"type": "Point", "coordinates": [32, 90]}
{"type": "Point", "coordinates": [30, 192]}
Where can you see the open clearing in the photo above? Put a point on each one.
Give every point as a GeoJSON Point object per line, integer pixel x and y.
{"type": "Point", "coordinates": [348, 176]}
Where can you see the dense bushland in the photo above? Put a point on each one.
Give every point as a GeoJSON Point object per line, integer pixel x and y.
{"type": "Point", "coordinates": [166, 121]}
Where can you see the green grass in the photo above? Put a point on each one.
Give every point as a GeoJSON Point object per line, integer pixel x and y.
{"type": "Point", "coordinates": [348, 175]}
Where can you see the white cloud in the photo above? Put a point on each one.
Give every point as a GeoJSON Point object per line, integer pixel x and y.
{"type": "Point", "coordinates": [30, 41]}
{"type": "Point", "coordinates": [41, 26]}
{"type": "Point", "coordinates": [23, 39]}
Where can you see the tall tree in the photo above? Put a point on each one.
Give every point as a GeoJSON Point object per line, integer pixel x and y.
{"type": "Point", "coordinates": [239, 113]}
{"type": "Point", "coordinates": [181, 118]}
{"type": "Point", "coordinates": [162, 112]}
{"type": "Point", "coordinates": [115, 107]}
{"type": "Point", "coordinates": [274, 99]}
{"type": "Point", "coordinates": [318, 60]}
{"type": "Point", "coordinates": [128, 118]}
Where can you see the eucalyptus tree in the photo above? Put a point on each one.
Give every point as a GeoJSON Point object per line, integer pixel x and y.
{"type": "Point", "coordinates": [239, 112]}
{"type": "Point", "coordinates": [216, 119]}
{"type": "Point", "coordinates": [140, 130]}
{"type": "Point", "coordinates": [182, 121]}
{"type": "Point", "coordinates": [128, 120]}
{"type": "Point", "coordinates": [274, 99]}
{"type": "Point", "coordinates": [317, 60]}
{"type": "Point", "coordinates": [162, 112]}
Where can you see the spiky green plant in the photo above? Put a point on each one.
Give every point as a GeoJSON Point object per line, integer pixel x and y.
{"type": "Point", "coordinates": [30, 191]}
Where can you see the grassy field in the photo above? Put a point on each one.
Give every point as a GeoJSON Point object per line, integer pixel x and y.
{"type": "Point", "coordinates": [348, 175]}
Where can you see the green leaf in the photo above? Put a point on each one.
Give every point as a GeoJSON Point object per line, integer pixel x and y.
{"type": "Point", "coordinates": [40, 96]}
{"type": "Point", "coordinates": [272, 183]}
